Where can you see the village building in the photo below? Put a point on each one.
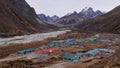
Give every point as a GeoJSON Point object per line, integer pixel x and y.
{"type": "Point", "coordinates": [71, 57]}
{"type": "Point", "coordinates": [74, 57]}
{"type": "Point", "coordinates": [49, 50]}
{"type": "Point", "coordinates": [26, 51]}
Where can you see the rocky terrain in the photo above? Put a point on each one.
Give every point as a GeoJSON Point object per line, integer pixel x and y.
{"type": "Point", "coordinates": [109, 22]}
{"type": "Point", "coordinates": [25, 10]}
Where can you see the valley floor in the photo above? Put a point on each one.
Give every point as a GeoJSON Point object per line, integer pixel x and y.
{"type": "Point", "coordinates": [20, 61]}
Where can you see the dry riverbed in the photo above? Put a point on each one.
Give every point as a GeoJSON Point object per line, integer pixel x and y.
{"type": "Point", "coordinates": [31, 38]}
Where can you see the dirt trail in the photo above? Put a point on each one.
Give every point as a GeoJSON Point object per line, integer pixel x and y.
{"type": "Point", "coordinates": [30, 55]}
{"type": "Point", "coordinates": [11, 58]}
{"type": "Point", "coordinates": [59, 65]}
{"type": "Point", "coordinates": [72, 65]}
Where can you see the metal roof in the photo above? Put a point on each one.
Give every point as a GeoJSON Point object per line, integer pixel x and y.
{"type": "Point", "coordinates": [70, 56]}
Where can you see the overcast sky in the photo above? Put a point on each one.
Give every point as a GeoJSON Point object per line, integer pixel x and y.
{"type": "Point", "coordinates": [62, 7]}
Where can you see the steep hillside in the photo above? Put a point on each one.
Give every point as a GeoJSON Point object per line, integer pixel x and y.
{"type": "Point", "coordinates": [24, 9]}
{"type": "Point", "coordinates": [109, 22]}
{"type": "Point", "coordinates": [18, 18]}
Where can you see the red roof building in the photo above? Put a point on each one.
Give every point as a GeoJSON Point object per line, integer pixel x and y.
{"type": "Point", "coordinates": [50, 50]}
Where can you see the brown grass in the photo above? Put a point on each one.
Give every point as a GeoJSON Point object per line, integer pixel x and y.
{"type": "Point", "coordinates": [109, 62]}
{"type": "Point", "coordinates": [12, 48]}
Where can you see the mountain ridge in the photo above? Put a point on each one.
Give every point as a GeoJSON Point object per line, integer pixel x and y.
{"type": "Point", "coordinates": [16, 20]}
{"type": "Point", "coordinates": [75, 18]}
{"type": "Point", "coordinates": [71, 19]}
{"type": "Point", "coordinates": [109, 22]}
{"type": "Point", "coordinates": [45, 18]}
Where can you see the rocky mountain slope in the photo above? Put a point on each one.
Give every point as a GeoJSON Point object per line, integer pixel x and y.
{"type": "Point", "coordinates": [89, 12]}
{"type": "Point", "coordinates": [24, 9]}
{"type": "Point", "coordinates": [75, 18]}
{"type": "Point", "coordinates": [18, 18]}
{"type": "Point", "coordinates": [109, 22]}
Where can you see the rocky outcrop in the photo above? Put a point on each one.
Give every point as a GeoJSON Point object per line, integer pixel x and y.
{"type": "Point", "coordinates": [24, 9]}
{"type": "Point", "coordinates": [90, 13]}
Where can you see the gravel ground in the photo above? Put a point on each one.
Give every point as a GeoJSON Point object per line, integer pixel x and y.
{"type": "Point", "coordinates": [31, 38]}
{"type": "Point", "coordinates": [59, 65]}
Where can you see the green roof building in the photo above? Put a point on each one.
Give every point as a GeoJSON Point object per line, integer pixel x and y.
{"type": "Point", "coordinates": [92, 39]}
{"type": "Point", "coordinates": [53, 44]}
{"type": "Point", "coordinates": [71, 57]}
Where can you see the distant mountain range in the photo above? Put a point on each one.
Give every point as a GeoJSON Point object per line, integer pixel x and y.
{"type": "Point", "coordinates": [45, 18]}
{"type": "Point", "coordinates": [71, 18]}
{"type": "Point", "coordinates": [75, 18]}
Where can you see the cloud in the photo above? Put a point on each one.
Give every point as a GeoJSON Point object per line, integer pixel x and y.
{"type": "Point", "coordinates": [61, 7]}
